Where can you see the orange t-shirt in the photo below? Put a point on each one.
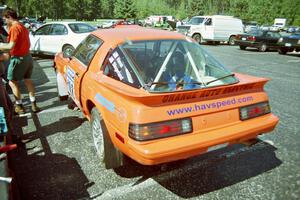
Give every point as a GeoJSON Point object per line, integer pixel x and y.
{"type": "Point", "coordinates": [20, 36]}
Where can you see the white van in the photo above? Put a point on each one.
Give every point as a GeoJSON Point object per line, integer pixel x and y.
{"type": "Point", "coordinates": [216, 28]}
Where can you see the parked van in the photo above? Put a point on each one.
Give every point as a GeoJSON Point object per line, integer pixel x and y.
{"type": "Point", "coordinates": [216, 28]}
{"type": "Point", "coordinates": [279, 24]}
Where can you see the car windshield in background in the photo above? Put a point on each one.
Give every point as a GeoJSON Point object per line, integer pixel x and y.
{"type": "Point", "coordinates": [255, 32]}
{"type": "Point", "coordinates": [81, 28]}
{"type": "Point", "coordinates": [171, 65]}
{"type": "Point", "coordinates": [196, 21]}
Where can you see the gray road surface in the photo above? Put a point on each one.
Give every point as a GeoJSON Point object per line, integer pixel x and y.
{"type": "Point", "coordinates": [59, 161]}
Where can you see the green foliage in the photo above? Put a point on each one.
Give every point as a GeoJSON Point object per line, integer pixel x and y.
{"type": "Point", "coordinates": [262, 11]}
{"type": "Point", "coordinates": [124, 9]}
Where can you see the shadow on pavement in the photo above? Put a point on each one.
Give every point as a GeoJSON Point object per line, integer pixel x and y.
{"type": "Point", "coordinates": [210, 172]}
{"type": "Point", "coordinates": [43, 174]}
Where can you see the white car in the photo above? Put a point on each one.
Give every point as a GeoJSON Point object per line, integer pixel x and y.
{"type": "Point", "coordinates": [55, 37]}
{"type": "Point", "coordinates": [274, 28]}
{"type": "Point", "coordinates": [109, 24]}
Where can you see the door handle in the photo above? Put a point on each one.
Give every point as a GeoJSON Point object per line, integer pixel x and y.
{"type": "Point", "coordinates": [77, 74]}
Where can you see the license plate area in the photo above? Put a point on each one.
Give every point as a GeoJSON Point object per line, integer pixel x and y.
{"type": "Point", "coordinates": [288, 44]}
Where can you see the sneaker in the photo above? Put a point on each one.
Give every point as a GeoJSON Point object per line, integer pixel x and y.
{"type": "Point", "coordinates": [19, 109]}
{"type": "Point", "coordinates": [34, 107]}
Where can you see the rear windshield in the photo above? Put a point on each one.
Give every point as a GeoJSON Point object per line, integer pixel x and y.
{"type": "Point", "coordinates": [170, 65]}
{"type": "Point", "coordinates": [81, 28]}
{"type": "Point", "coordinates": [256, 32]}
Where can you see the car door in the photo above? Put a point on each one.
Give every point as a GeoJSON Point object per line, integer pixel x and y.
{"type": "Point", "coordinates": [78, 65]}
{"type": "Point", "coordinates": [270, 38]}
{"type": "Point", "coordinates": [274, 39]}
{"type": "Point", "coordinates": [39, 37]}
{"type": "Point", "coordinates": [209, 29]}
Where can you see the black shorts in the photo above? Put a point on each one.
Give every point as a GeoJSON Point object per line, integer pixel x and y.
{"type": "Point", "coordinates": [20, 68]}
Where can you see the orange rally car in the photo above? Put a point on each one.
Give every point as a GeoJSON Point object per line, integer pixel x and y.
{"type": "Point", "coordinates": [157, 96]}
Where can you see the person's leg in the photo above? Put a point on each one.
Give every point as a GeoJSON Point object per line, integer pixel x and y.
{"type": "Point", "coordinates": [14, 85]}
{"type": "Point", "coordinates": [28, 62]}
{"type": "Point", "coordinates": [31, 91]}
{"type": "Point", "coordinates": [30, 88]}
{"type": "Point", "coordinates": [12, 76]}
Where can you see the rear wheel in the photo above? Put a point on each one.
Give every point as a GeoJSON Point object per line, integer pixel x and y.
{"type": "Point", "coordinates": [68, 49]}
{"type": "Point", "coordinates": [198, 38]}
{"type": "Point", "coordinates": [263, 47]}
{"type": "Point", "coordinates": [110, 157]}
{"type": "Point", "coordinates": [282, 51]}
{"type": "Point", "coordinates": [242, 47]}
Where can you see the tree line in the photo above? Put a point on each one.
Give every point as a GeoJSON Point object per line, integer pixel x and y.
{"type": "Point", "coordinates": [262, 11]}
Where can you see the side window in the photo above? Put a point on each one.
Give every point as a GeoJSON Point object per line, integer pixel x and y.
{"type": "Point", "coordinates": [81, 28]}
{"type": "Point", "coordinates": [117, 67]}
{"type": "Point", "coordinates": [45, 30]}
{"type": "Point", "coordinates": [276, 35]}
{"type": "Point", "coordinates": [208, 22]}
{"type": "Point", "coordinates": [269, 34]}
{"type": "Point", "coordinates": [87, 49]}
{"type": "Point", "coordinates": [58, 29]}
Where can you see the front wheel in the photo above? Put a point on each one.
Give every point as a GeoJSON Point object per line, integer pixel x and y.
{"type": "Point", "coordinates": [198, 38]}
{"type": "Point", "coordinates": [242, 47]}
{"type": "Point", "coordinates": [110, 157]}
{"type": "Point", "coordinates": [263, 47]}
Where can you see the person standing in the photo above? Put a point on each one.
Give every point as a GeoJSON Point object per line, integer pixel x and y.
{"type": "Point", "coordinates": [21, 62]}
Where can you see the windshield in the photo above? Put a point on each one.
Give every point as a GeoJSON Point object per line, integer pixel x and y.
{"type": "Point", "coordinates": [255, 32]}
{"type": "Point", "coordinates": [170, 65]}
{"type": "Point", "coordinates": [196, 21]}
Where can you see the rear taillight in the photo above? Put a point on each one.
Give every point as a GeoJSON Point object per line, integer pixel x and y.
{"type": "Point", "coordinates": [254, 110]}
{"type": "Point", "coordinates": [143, 132]}
{"type": "Point", "coordinates": [251, 38]}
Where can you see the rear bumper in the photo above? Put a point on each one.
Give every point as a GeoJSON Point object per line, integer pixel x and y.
{"type": "Point", "coordinates": [288, 46]}
{"type": "Point", "coordinates": [185, 146]}
{"type": "Point", "coordinates": [247, 43]}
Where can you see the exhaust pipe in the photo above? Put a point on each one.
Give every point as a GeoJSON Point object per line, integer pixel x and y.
{"type": "Point", "coordinates": [250, 142]}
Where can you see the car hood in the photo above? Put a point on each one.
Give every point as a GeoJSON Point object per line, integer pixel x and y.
{"type": "Point", "coordinates": [184, 27]}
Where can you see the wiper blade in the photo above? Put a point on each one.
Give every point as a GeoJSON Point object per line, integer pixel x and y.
{"type": "Point", "coordinates": [148, 85]}
{"type": "Point", "coordinates": [209, 82]}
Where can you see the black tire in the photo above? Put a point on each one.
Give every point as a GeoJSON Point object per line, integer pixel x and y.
{"type": "Point", "coordinates": [68, 49]}
{"type": "Point", "coordinates": [282, 51]}
{"type": "Point", "coordinates": [198, 38]}
{"type": "Point", "coordinates": [63, 98]}
{"type": "Point", "coordinates": [263, 47]}
{"type": "Point", "coordinates": [231, 40]}
{"type": "Point", "coordinates": [242, 47]}
{"type": "Point", "coordinates": [110, 157]}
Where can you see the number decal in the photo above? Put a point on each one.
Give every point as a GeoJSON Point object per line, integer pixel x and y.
{"type": "Point", "coordinates": [70, 81]}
